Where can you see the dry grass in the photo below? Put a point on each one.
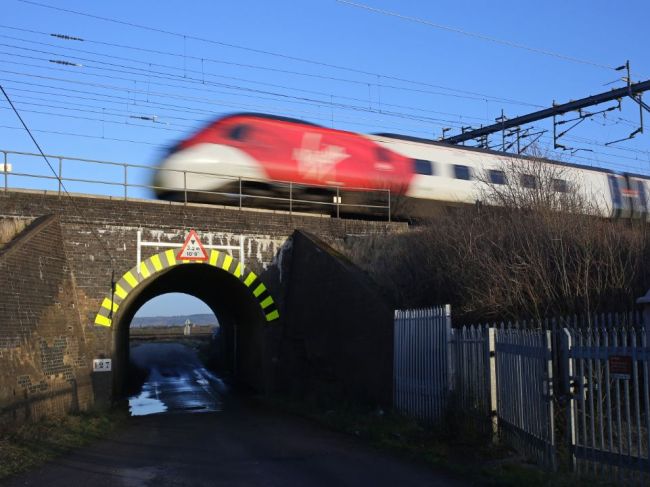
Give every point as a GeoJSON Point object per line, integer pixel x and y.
{"type": "Point", "coordinates": [32, 444]}
{"type": "Point", "coordinates": [10, 228]}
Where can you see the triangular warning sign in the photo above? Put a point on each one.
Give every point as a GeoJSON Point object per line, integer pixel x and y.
{"type": "Point", "coordinates": [192, 248]}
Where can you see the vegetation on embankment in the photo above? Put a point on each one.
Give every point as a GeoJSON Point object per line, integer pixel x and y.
{"type": "Point", "coordinates": [32, 444]}
{"type": "Point", "coordinates": [521, 253]}
{"type": "Point", "coordinates": [457, 447]}
{"type": "Point", "coordinates": [10, 227]}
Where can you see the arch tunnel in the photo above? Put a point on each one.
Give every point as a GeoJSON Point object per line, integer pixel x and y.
{"type": "Point", "coordinates": [238, 298]}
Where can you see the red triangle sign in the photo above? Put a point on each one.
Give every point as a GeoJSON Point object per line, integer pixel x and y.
{"type": "Point", "coordinates": [192, 248]}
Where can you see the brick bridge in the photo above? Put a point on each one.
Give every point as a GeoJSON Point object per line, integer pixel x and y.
{"type": "Point", "coordinates": [302, 317]}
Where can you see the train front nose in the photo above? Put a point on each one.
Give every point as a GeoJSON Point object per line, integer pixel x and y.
{"type": "Point", "coordinates": [205, 167]}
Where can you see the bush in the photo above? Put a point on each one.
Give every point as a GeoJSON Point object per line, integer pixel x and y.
{"type": "Point", "coordinates": [522, 252]}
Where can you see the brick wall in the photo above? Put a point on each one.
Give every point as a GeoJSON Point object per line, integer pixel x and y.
{"type": "Point", "coordinates": [95, 226]}
{"type": "Point", "coordinates": [96, 241]}
{"type": "Point", "coordinates": [338, 337]}
{"type": "Point", "coordinates": [44, 351]}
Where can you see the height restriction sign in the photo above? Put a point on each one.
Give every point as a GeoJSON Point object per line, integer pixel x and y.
{"type": "Point", "coordinates": [192, 248]}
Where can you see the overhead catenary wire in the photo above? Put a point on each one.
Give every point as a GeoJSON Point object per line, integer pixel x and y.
{"type": "Point", "coordinates": [167, 94]}
{"type": "Point", "coordinates": [188, 79]}
{"type": "Point", "coordinates": [386, 113]}
{"type": "Point", "coordinates": [148, 126]}
{"type": "Point", "coordinates": [475, 35]}
{"type": "Point", "coordinates": [382, 112]}
{"type": "Point", "coordinates": [234, 46]}
{"type": "Point", "coordinates": [453, 92]}
{"type": "Point", "coordinates": [131, 115]}
{"type": "Point", "coordinates": [178, 68]}
{"type": "Point", "coordinates": [314, 116]}
{"type": "Point", "coordinates": [85, 136]}
{"type": "Point", "coordinates": [196, 81]}
{"type": "Point", "coordinates": [248, 92]}
{"type": "Point", "coordinates": [431, 122]}
{"type": "Point", "coordinates": [94, 119]}
{"type": "Point", "coordinates": [340, 119]}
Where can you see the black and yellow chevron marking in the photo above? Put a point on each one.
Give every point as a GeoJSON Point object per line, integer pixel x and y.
{"type": "Point", "coordinates": [156, 263]}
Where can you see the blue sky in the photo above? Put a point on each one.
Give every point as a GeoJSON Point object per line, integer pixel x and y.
{"type": "Point", "coordinates": [325, 61]}
{"type": "Point", "coordinates": [173, 304]}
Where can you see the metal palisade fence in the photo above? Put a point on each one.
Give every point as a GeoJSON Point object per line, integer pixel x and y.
{"type": "Point", "coordinates": [421, 365]}
{"type": "Point", "coordinates": [473, 369]}
{"type": "Point", "coordinates": [506, 378]}
{"type": "Point", "coordinates": [524, 381]}
{"type": "Point", "coordinates": [502, 380]}
{"type": "Point", "coordinates": [609, 409]}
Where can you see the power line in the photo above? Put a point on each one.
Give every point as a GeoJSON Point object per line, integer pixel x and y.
{"type": "Point", "coordinates": [157, 123]}
{"type": "Point", "coordinates": [203, 73]}
{"type": "Point", "coordinates": [248, 92]}
{"type": "Point", "coordinates": [245, 48]}
{"type": "Point", "coordinates": [71, 134]}
{"type": "Point", "coordinates": [319, 104]}
{"type": "Point", "coordinates": [138, 103]}
{"type": "Point", "coordinates": [317, 117]}
{"type": "Point", "coordinates": [340, 106]}
{"type": "Point", "coordinates": [475, 35]}
{"type": "Point", "coordinates": [470, 95]}
{"type": "Point", "coordinates": [339, 118]}
{"type": "Point", "coordinates": [58, 177]}
{"type": "Point", "coordinates": [184, 78]}
{"type": "Point", "coordinates": [203, 100]}
{"type": "Point", "coordinates": [91, 119]}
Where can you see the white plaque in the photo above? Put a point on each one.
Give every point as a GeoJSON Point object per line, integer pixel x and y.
{"type": "Point", "coordinates": [101, 365]}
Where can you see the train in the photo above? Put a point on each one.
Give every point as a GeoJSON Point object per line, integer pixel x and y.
{"type": "Point", "coordinates": [267, 160]}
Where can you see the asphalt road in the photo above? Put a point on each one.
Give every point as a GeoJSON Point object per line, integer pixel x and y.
{"type": "Point", "coordinates": [176, 382]}
{"type": "Point", "coordinates": [238, 443]}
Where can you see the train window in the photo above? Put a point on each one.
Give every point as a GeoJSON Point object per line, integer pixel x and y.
{"type": "Point", "coordinates": [498, 177]}
{"type": "Point", "coordinates": [462, 172]}
{"type": "Point", "coordinates": [528, 181]}
{"type": "Point", "coordinates": [560, 185]}
{"type": "Point", "coordinates": [383, 155]}
{"type": "Point", "coordinates": [423, 167]}
{"type": "Point", "coordinates": [643, 200]}
{"type": "Point", "coordinates": [616, 191]}
{"type": "Point", "coordinates": [239, 132]}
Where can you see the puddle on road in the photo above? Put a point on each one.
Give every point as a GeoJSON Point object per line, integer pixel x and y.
{"type": "Point", "coordinates": [143, 404]}
{"type": "Point", "coordinates": [176, 381]}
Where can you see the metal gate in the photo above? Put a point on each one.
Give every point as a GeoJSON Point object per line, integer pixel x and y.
{"type": "Point", "coordinates": [421, 362]}
{"type": "Point", "coordinates": [524, 372]}
{"type": "Point", "coordinates": [609, 407]}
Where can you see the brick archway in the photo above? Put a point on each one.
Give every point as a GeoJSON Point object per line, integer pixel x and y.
{"type": "Point", "coordinates": [164, 260]}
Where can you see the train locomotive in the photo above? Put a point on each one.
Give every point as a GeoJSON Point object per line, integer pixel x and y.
{"type": "Point", "coordinates": [266, 159]}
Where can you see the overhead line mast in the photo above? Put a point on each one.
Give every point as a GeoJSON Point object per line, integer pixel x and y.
{"type": "Point", "coordinates": [632, 90]}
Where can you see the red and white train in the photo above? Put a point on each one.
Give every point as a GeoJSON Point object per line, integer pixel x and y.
{"type": "Point", "coordinates": [259, 154]}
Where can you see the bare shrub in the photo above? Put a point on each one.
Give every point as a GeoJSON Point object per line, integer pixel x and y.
{"type": "Point", "coordinates": [533, 184]}
{"type": "Point", "coordinates": [10, 227]}
{"type": "Point", "coordinates": [526, 252]}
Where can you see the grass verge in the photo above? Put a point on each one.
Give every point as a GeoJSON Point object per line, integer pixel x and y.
{"type": "Point", "coordinates": [32, 444]}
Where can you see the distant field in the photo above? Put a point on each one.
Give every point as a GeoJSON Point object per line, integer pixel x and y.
{"type": "Point", "coordinates": [162, 321]}
{"type": "Point", "coordinates": [167, 332]}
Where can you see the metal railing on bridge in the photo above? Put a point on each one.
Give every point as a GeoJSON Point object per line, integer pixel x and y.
{"type": "Point", "coordinates": [25, 170]}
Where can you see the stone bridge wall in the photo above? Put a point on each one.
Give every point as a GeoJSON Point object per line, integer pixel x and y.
{"type": "Point", "coordinates": [77, 247]}
{"type": "Point", "coordinates": [45, 360]}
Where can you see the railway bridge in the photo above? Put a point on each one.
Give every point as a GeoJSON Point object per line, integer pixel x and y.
{"type": "Point", "coordinates": [294, 314]}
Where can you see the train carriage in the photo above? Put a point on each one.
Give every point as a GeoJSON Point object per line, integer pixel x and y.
{"type": "Point", "coordinates": [269, 158]}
